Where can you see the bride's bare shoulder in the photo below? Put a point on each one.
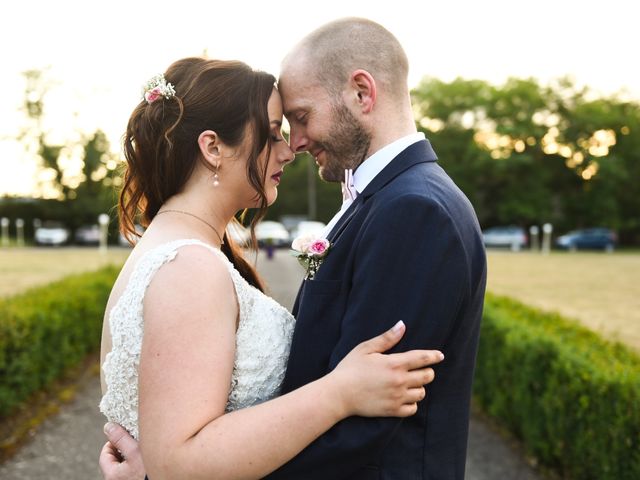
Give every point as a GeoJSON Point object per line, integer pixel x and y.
{"type": "Point", "coordinates": [197, 277]}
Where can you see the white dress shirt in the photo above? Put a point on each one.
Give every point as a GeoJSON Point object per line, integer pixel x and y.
{"type": "Point", "coordinates": [369, 169]}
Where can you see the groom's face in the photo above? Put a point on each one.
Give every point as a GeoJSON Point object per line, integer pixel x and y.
{"type": "Point", "coordinates": [322, 125]}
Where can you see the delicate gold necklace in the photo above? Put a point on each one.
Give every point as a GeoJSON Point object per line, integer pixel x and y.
{"type": "Point", "coordinates": [197, 217]}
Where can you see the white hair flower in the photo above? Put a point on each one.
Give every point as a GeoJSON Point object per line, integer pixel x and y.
{"type": "Point", "coordinates": [157, 87]}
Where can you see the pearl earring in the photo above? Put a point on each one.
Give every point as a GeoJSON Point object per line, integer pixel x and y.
{"type": "Point", "coordinates": [216, 179]}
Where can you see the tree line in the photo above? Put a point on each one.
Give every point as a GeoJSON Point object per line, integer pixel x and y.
{"type": "Point", "coordinates": [524, 153]}
{"type": "Point", "coordinates": [529, 154]}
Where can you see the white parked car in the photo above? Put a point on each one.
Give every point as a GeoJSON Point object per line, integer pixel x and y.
{"type": "Point", "coordinates": [52, 233]}
{"type": "Point", "coordinates": [272, 233]}
{"type": "Point", "coordinates": [512, 237]}
{"type": "Point", "coordinates": [308, 227]}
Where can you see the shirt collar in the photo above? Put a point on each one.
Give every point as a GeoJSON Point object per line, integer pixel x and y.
{"type": "Point", "coordinates": [373, 165]}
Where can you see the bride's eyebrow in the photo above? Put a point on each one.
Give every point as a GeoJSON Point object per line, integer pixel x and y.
{"type": "Point", "coordinates": [277, 123]}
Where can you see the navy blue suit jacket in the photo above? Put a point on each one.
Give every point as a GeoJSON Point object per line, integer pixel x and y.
{"type": "Point", "coordinates": [409, 248]}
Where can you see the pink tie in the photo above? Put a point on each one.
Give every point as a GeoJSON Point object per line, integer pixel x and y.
{"type": "Point", "coordinates": [349, 191]}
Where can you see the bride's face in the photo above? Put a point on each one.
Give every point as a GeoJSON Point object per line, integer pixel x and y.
{"type": "Point", "coordinates": [280, 154]}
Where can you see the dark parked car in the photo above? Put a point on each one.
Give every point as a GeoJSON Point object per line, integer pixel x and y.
{"type": "Point", "coordinates": [589, 238]}
{"type": "Point", "coordinates": [512, 237]}
{"type": "Point", "coordinates": [122, 240]}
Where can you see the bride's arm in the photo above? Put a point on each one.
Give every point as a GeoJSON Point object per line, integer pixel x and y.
{"type": "Point", "coordinates": [186, 364]}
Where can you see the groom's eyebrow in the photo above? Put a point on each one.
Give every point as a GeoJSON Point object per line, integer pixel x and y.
{"type": "Point", "coordinates": [301, 108]}
{"type": "Point", "coordinates": [291, 112]}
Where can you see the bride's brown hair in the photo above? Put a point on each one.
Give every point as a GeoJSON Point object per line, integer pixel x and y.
{"type": "Point", "coordinates": [161, 142]}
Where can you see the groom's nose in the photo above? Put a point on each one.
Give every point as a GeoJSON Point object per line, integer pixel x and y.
{"type": "Point", "coordinates": [298, 140]}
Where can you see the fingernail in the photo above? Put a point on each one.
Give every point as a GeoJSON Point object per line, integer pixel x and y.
{"type": "Point", "coordinates": [108, 427]}
{"type": "Point", "coordinates": [440, 356]}
{"type": "Point", "coordinates": [397, 327]}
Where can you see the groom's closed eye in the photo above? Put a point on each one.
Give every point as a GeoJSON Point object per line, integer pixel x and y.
{"type": "Point", "coordinates": [301, 118]}
{"type": "Point", "coordinates": [297, 117]}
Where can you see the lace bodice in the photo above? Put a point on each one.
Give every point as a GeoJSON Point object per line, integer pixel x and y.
{"type": "Point", "coordinates": [263, 339]}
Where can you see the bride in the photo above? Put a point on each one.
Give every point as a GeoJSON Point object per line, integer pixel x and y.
{"type": "Point", "coordinates": [193, 353]}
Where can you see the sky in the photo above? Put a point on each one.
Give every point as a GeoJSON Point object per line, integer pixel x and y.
{"type": "Point", "coordinates": [98, 54]}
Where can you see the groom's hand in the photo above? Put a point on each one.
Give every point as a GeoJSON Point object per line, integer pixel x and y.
{"type": "Point", "coordinates": [120, 458]}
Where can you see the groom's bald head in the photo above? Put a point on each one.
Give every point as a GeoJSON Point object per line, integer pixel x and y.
{"type": "Point", "coordinates": [332, 52]}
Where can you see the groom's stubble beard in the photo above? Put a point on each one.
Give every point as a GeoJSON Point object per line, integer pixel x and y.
{"type": "Point", "coordinates": [346, 145]}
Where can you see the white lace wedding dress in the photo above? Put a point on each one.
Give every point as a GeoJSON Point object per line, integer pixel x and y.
{"type": "Point", "coordinates": [262, 343]}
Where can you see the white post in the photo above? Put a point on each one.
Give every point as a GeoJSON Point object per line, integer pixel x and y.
{"type": "Point", "coordinates": [103, 220]}
{"type": "Point", "coordinates": [4, 223]}
{"type": "Point", "coordinates": [534, 235]}
{"type": "Point", "coordinates": [547, 230]}
{"type": "Point", "coordinates": [20, 232]}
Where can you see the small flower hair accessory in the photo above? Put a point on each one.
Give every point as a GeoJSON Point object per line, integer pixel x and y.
{"type": "Point", "coordinates": [157, 87]}
{"type": "Point", "coordinates": [310, 252]}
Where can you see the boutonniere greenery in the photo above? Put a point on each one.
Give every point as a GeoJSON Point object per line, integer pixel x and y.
{"type": "Point", "coordinates": [310, 252]}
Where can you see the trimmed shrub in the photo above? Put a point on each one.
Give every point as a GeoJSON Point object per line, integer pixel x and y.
{"type": "Point", "coordinates": [48, 329]}
{"type": "Point", "coordinates": [570, 396]}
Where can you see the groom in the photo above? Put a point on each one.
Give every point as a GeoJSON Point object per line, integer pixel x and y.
{"type": "Point", "coordinates": [405, 246]}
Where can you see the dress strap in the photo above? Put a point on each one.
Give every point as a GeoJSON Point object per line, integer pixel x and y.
{"type": "Point", "coordinates": [151, 261]}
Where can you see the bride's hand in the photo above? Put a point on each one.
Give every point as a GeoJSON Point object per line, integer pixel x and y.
{"type": "Point", "coordinates": [372, 384]}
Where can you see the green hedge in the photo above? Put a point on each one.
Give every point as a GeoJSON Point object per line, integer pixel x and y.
{"type": "Point", "coordinates": [48, 329]}
{"type": "Point", "coordinates": [570, 396]}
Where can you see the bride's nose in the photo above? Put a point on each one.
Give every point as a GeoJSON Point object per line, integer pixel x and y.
{"type": "Point", "coordinates": [287, 155]}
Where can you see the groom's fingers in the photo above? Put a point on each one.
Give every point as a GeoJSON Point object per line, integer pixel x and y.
{"type": "Point", "coordinates": [120, 458]}
{"type": "Point", "coordinates": [109, 454]}
{"type": "Point", "coordinates": [121, 439]}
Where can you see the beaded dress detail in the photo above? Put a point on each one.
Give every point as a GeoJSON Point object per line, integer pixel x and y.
{"type": "Point", "coordinates": [263, 340]}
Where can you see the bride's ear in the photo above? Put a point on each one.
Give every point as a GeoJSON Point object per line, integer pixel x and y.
{"type": "Point", "coordinates": [210, 148]}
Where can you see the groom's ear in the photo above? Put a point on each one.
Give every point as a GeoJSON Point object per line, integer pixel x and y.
{"type": "Point", "coordinates": [364, 89]}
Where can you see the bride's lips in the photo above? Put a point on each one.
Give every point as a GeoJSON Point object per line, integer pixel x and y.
{"type": "Point", "coordinates": [277, 176]}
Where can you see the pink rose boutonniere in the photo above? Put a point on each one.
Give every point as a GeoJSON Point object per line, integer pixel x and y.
{"type": "Point", "coordinates": [310, 252]}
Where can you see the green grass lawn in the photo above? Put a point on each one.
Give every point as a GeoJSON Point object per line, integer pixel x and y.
{"type": "Point", "coordinates": [600, 290]}
{"type": "Point", "coordinates": [22, 268]}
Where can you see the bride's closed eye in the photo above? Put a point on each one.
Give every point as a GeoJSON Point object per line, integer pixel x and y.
{"type": "Point", "coordinates": [277, 136]}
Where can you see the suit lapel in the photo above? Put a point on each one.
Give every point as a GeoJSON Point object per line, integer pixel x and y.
{"type": "Point", "coordinates": [344, 220]}
{"type": "Point", "coordinates": [419, 152]}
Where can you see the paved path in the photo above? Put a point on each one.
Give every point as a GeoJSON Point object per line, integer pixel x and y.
{"type": "Point", "coordinates": [66, 446]}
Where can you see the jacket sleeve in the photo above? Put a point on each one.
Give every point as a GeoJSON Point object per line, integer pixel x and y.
{"type": "Point", "coordinates": [410, 265]}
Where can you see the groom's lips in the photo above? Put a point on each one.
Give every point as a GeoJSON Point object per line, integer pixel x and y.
{"type": "Point", "coordinates": [316, 154]}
